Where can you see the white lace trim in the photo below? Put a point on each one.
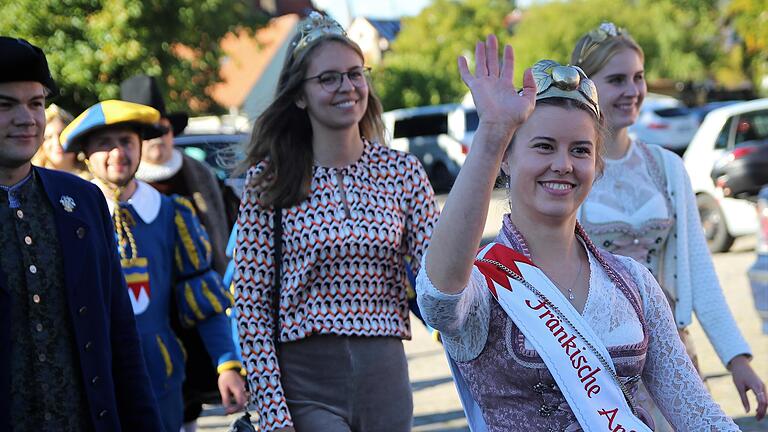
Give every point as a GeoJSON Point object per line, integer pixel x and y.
{"type": "Point", "coordinates": [150, 172]}
{"type": "Point", "coordinates": [626, 192]}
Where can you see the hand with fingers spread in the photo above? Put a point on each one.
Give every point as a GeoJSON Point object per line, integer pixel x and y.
{"type": "Point", "coordinates": [500, 107]}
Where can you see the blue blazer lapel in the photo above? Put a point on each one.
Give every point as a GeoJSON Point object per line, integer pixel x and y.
{"type": "Point", "coordinates": [71, 226]}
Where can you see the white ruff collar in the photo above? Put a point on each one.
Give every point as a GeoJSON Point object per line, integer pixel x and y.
{"type": "Point", "coordinates": [150, 172]}
{"type": "Point", "coordinates": [145, 200]}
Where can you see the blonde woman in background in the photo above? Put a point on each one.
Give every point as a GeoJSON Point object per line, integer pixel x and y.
{"type": "Point", "coordinates": [50, 155]}
{"type": "Point", "coordinates": [644, 207]}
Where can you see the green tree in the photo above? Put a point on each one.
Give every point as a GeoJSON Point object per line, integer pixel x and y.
{"type": "Point", "coordinates": [421, 68]}
{"type": "Point", "coordinates": [680, 42]}
{"type": "Point", "coordinates": [750, 19]}
{"type": "Point", "coordinates": [92, 45]}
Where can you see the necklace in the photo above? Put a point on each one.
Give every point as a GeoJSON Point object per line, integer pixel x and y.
{"type": "Point", "coordinates": [575, 281]}
{"type": "Point", "coordinates": [563, 318]}
{"type": "Point", "coordinates": [571, 295]}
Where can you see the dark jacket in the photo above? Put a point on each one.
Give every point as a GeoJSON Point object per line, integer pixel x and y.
{"type": "Point", "coordinates": [121, 398]}
{"type": "Point", "coordinates": [206, 195]}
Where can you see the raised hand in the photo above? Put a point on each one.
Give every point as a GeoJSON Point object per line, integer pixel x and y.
{"type": "Point", "coordinates": [498, 103]}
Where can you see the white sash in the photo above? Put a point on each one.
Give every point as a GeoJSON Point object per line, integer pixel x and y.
{"type": "Point", "coordinates": [591, 391]}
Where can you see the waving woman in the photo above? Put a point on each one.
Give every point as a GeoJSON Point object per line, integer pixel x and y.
{"type": "Point", "coordinates": [547, 332]}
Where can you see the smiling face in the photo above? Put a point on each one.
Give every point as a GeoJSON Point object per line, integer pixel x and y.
{"type": "Point", "coordinates": [114, 154]}
{"type": "Point", "coordinates": [552, 163]}
{"type": "Point", "coordinates": [22, 122]}
{"type": "Point", "coordinates": [52, 146]}
{"type": "Point", "coordinates": [621, 88]}
{"type": "Point", "coordinates": [159, 150]}
{"type": "Point", "coordinates": [340, 109]}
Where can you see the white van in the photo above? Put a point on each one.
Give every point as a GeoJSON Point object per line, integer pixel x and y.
{"type": "Point", "coordinates": [427, 133]}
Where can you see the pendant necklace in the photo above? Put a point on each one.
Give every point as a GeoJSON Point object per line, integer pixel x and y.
{"type": "Point", "coordinates": [571, 296]}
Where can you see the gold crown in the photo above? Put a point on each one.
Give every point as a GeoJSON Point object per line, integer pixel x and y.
{"type": "Point", "coordinates": [315, 26]}
{"type": "Point", "coordinates": [597, 36]}
{"type": "Point", "coordinates": [555, 80]}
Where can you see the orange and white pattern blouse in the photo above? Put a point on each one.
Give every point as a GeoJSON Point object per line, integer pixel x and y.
{"type": "Point", "coordinates": [343, 268]}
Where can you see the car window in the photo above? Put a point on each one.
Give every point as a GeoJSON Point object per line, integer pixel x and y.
{"type": "Point", "coordinates": [471, 121]}
{"type": "Point", "coordinates": [222, 153]}
{"type": "Point", "coordinates": [424, 125]}
{"type": "Point", "coordinates": [722, 139]}
{"type": "Point", "coordinates": [752, 127]}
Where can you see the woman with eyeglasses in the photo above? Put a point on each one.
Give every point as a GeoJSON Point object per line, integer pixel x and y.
{"type": "Point", "coordinates": [327, 219]}
{"type": "Point", "coordinates": [643, 207]}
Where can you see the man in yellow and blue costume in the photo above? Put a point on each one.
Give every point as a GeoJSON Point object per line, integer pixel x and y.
{"type": "Point", "coordinates": [164, 251]}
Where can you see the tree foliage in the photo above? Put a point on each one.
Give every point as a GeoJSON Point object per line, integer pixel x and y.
{"type": "Point", "coordinates": [750, 20]}
{"type": "Point", "coordinates": [683, 40]}
{"type": "Point", "coordinates": [678, 41]}
{"type": "Point", "coordinates": [421, 68]}
{"type": "Point", "coordinates": [92, 45]}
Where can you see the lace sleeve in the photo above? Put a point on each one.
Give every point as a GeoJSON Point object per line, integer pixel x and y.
{"type": "Point", "coordinates": [462, 319]}
{"type": "Point", "coordinates": [669, 374]}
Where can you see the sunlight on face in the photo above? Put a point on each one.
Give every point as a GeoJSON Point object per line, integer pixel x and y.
{"type": "Point", "coordinates": [552, 163]}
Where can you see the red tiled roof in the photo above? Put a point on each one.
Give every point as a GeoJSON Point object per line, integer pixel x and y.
{"type": "Point", "coordinates": [248, 57]}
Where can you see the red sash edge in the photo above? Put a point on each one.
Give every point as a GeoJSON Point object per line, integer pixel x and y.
{"type": "Point", "coordinates": [501, 254]}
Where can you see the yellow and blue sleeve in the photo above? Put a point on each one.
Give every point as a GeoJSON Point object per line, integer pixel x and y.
{"type": "Point", "coordinates": [200, 292]}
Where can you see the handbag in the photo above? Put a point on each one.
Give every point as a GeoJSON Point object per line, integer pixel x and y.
{"type": "Point", "coordinates": [243, 424]}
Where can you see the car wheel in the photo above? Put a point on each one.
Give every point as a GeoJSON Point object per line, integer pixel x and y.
{"type": "Point", "coordinates": [441, 178]}
{"type": "Point", "coordinates": [713, 224]}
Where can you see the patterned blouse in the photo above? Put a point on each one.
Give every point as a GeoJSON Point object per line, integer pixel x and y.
{"type": "Point", "coordinates": [343, 268]}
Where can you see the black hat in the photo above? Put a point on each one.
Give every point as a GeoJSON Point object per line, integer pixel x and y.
{"type": "Point", "coordinates": [22, 61]}
{"type": "Point", "coordinates": [143, 89]}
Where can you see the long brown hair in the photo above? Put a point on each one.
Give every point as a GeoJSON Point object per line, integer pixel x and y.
{"type": "Point", "coordinates": [282, 135]}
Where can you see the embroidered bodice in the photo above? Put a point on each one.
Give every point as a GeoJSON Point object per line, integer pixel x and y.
{"type": "Point", "coordinates": [511, 383]}
{"type": "Point", "coordinates": [628, 212]}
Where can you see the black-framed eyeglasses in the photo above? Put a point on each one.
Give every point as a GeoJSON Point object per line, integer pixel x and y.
{"type": "Point", "coordinates": [331, 81]}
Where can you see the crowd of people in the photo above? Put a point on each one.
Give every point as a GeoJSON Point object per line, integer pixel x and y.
{"type": "Point", "coordinates": [574, 318]}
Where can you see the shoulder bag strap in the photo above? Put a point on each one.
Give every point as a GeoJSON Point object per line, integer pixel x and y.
{"type": "Point", "coordinates": [277, 229]}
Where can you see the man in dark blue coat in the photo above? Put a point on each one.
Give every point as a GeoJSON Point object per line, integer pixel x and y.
{"type": "Point", "coordinates": [70, 357]}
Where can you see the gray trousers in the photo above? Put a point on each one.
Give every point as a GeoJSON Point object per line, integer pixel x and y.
{"type": "Point", "coordinates": [347, 384]}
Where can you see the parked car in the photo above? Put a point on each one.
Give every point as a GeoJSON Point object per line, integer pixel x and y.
{"type": "Point", "coordinates": [425, 132]}
{"type": "Point", "coordinates": [221, 152]}
{"type": "Point", "coordinates": [665, 121]}
{"type": "Point", "coordinates": [743, 170]}
{"type": "Point", "coordinates": [723, 217]}
{"type": "Point", "coordinates": [701, 111]}
{"type": "Point", "coordinates": [758, 273]}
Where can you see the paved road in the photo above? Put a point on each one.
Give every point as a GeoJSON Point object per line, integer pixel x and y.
{"type": "Point", "coordinates": [437, 407]}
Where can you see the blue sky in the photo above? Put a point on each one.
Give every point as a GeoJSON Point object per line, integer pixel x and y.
{"type": "Point", "coordinates": [344, 10]}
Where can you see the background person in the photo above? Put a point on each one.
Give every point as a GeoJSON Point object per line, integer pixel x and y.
{"type": "Point", "coordinates": [171, 172]}
{"type": "Point", "coordinates": [165, 255]}
{"type": "Point", "coordinates": [50, 155]}
{"type": "Point", "coordinates": [323, 340]}
{"type": "Point", "coordinates": [643, 207]}
{"type": "Point", "coordinates": [71, 357]}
